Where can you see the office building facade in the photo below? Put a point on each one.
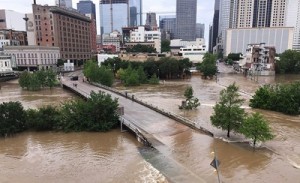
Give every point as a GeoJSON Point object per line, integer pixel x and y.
{"type": "Point", "coordinates": [186, 11]}
{"type": "Point", "coordinates": [87, 7]}
{"type": "Point", "coordinates": [167, 25]}
{"type": "Point", "coordinates": [66, 29]}
{"type": "Point", "coordinates": [135, 12]}
{"type": "Point", "coordinates": [151, 21]}
{"type": "Point", "coordinates": [113, 15]}
{"type": "Point", "coordinates": [200, 29]}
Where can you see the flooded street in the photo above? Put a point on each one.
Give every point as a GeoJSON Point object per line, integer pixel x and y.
{"type": "Point", "coordinates": [119, 157]}
{"type": "Point", "coordinates": [278, 161]}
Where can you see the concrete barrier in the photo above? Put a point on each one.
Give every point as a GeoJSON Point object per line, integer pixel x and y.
{"type": "Point", "coordinates": [185, 121]}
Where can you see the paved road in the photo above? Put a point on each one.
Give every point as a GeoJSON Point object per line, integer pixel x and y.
{"type": "Point", "coordinates": [158, 128]}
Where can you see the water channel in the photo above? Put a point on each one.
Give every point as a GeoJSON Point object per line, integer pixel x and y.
{"type": "Point", "coordinates": [118, 157]}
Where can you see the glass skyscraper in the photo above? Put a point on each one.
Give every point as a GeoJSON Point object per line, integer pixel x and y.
{"type": "Point", "coordinates": [186, 11]}
{"type": "Point", "coordinates": [135, 8]}
{"type": "Point", "coordinates": [87, 7]}
{"type": "Point", "coordinates": [115, 14]}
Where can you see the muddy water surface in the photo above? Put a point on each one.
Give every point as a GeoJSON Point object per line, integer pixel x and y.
{"type": "Point", "coordinates": [277, 161]}
{"type": "Point", "coordinates": [69, 157]}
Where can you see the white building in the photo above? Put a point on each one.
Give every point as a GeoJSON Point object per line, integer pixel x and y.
{"type": "Point", "coordinates": [103, 57]}
{"type": "Point", "coordinates": [7, 42]}
{"type": "Point", "coordinates": [237, 40]}
{"type": "Point", "coordinates": [5, 64]}
{"type": "Point", "coordinates": [12, 20]}
{"type": "Point", "coordinates": [293, 20]}
{"type": "Point", "coordinates": [34, 57]}
{"type": "Point", "coordinates": [140, 35]}
{"type": "Point", "coordinates": [194, 53]}
{"type": "Point", "coordinates": [114, 38]}
{"type": "Point", "coordinates": [180, 43]}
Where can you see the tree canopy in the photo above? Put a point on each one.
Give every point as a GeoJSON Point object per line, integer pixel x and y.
{"type": "Point", "coordinates": [289, 62]}
{"type": "Point", "coordinates": [37, 80]}
{"type": "Point", "coordinates": [256, 128]}
{"type": "Point", "coordinates": [141, 49]}
{"type": "Point", "coordinates": [165, 46]}
{"type": "Point", "coordinates": [281, 97]}
{"type": "Point", "coordinates": [228, 114]}
{"type": "Point", "coordinates": [208, 67]}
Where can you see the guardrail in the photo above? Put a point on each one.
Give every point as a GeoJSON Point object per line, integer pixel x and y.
{"type": "Point", "coordinates": [169, 114]}
{"type": "Point", "coordinates": [133, 127]}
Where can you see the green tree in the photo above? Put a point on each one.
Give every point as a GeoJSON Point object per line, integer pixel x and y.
{"type": "Point", "coordinates": [141, 49]}
{"type": "Point", "coordinates": [24, 79]}
{"type": "Point", "coordinates": [34, 83]}
{"type": "Point", "coordinates": [12, 118]}
{"type": "Point", "coordinates": [234, 56]}
{"type": "Point", "coordinates": [154, 80]}
{"type": "Point", "coordinates": [45, 118]}
{"type": "Point", "coordinates": [165, 46]}
{"type": "Point", "coordinates": [142, 75]}
{"type": "Point", "coordinates": [256, 128]}
{"type": "Point", "coordinates": [50, 78]}
{"type": "Point", "coordinates": [103, 74]}
{"type": "Point", "coordinates": [228, 114]}
{"type": "Point", "coordinates": [191, 101]}
{"type": "Point", "coordinates": [98, 113]}
{"type": "Point", "coordinates": [208, 66]}
{"type": "Point", "coordinates": [289, 62]}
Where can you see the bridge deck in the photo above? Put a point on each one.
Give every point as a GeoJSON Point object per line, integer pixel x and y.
{"type": "Point", "coordinates": [155, 127]}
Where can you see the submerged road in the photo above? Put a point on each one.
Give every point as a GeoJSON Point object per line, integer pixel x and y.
{"type": "Point", "coordinates": [160, 130]}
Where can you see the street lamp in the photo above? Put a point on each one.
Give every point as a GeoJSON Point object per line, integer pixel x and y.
{"type": "Point", "coordinates": [114, 69]}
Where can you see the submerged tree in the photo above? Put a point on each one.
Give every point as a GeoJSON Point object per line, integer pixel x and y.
{"type": "Point", "coordinates": [191, 102]}
{"type": "Point", "coordinates": [228, 114]}
{"type": "Point", "coordinates": [256, 128]}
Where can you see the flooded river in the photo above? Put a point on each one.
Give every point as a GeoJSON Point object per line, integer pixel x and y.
{"type": "Point", "coordinates": [118, 157]}
{"type": "Point", "coordinates": [69, 157]}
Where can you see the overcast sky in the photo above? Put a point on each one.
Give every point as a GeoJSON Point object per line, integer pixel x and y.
{"type": "Point", "coordinates": [204, 12]}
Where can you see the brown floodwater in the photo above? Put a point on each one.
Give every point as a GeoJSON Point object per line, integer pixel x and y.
{"type": "Point", "coordinates": [277, 161]}
{"type": "Point", "coordinates": [69, 157]}
{"type": "Point", "coordinates": [118, 157]}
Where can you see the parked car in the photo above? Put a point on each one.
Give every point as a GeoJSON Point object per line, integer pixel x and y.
{"type": "Point", "coordinates": [74, 78]}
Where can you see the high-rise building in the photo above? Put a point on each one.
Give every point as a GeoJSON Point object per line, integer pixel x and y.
{"type": "Point", "coordinates": [186, 11]}
{"type": "Point", "coordinates": [200, 28]}
{"type": "Point", "coordinates": [64, 3]}
{"type": "Point", "coordinates": [87, 7]}
{"type": "Point", "coordinates": [167, 25]}
{"type": "Point", "coordinates": [63, 28]}
{"type": "Point", "coordinates": [293, 20]}
{"type": "Point", "coordinates": [215, 26]}
{"type": "Point", "coordinates": [113, 15]}
{"type": "Point", "coordinates": [279, 11]}
{"type": "Point", "coordinates": [262, 13]}
{"type": "Point", "coordinates": [245, 13]}
{"type": "Point", "coordinates": [135, 9]}
{"type": "Point", "coordinates": [151, 21]}
{"type": "Point", "coordinates": [12, 20]}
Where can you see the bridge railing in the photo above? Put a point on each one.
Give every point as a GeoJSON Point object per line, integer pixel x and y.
{"type": "Point", "coordinates": [169, 114]}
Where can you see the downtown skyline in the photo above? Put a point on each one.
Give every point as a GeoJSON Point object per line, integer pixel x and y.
{"type": "Point", "coordinates": [205, 9]}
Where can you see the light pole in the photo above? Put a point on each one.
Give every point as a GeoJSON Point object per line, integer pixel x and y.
{"type": "Point", "coordinates": [114, 69]}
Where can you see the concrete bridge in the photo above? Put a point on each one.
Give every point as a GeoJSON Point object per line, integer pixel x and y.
{"type": "Point", "coordinates": [139, 116]}
{"type": "Point", "coordinates": [151, 125]}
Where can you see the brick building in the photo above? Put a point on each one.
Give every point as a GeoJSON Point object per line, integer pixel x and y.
{"type": "Point", "coordinates": [63, 28]}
